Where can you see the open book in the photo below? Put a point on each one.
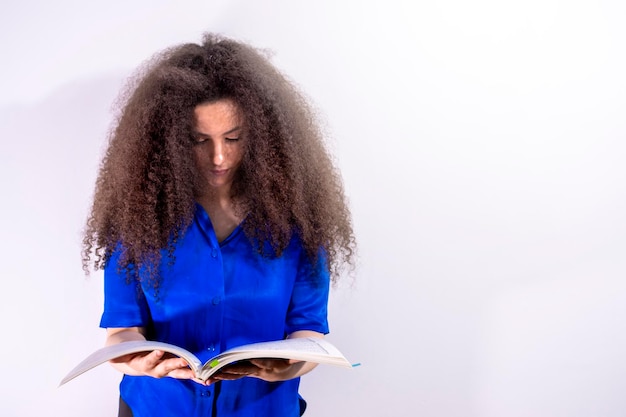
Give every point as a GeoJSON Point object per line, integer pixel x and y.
{"type": "Point", "coordinates": [309, 349]}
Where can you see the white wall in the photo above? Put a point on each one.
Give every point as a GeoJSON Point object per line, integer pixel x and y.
{"type": "Point", "coordinates": [482, 145]}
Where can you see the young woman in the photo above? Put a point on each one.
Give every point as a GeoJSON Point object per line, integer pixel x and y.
{"type": "Point", "coordinates": [219, 219]}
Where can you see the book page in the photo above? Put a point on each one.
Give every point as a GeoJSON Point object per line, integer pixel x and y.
{"type": "Point", "coordinates": [310, 349]}
{"type": "Point", "coordinates": [107, 353]}
{"type": "Point", "coordinates": [303, 345]}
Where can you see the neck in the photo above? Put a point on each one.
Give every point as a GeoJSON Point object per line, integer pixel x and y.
{"type": "Point", "coordinates": [221, 210]}
{"type": "Point", "coordinates": [215, 197]}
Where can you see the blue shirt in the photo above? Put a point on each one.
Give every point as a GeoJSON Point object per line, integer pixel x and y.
{"type": "Point", "coordinates": [215, 296]}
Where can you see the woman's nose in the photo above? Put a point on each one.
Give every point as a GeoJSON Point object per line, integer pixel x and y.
{"type": "Point", "coordinates": [218, 153]}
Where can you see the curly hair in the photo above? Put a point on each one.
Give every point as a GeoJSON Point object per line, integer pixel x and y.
{"type": "Point", "coordinates": [147, 183]}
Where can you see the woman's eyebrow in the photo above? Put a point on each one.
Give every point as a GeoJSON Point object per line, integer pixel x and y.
{"type": "Point", "coordinates": [233, 130]}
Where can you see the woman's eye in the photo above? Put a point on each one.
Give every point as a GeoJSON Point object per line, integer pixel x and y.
{"type": "Point", "coordinates": [232, 139]}
{"type": "Point", "coordinates": [198, 140]}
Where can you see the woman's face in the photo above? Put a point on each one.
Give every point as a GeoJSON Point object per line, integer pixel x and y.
{"type": "Point", "coordinates": [218, 142]}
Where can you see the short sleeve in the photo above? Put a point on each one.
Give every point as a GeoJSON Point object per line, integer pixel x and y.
{"type": "Point", "coordinates": [124, 302]}
{"type": "Point", "coordinates": [308, 309]}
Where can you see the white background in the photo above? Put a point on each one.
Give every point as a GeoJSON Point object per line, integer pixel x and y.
{"type": "Point", "coordinates": [482, 146]}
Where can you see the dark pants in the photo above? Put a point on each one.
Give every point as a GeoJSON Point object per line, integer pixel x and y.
{"type": "Point", "coordinates": [124, 410]}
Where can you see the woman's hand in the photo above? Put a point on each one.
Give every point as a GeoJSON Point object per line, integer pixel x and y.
{"type": "Point", "coordinates": [271, 370]}
{"type": "Point", "coordinates": [155, 364]}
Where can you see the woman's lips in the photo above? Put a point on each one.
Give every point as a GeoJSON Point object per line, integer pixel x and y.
{"type": "Point", "coordinates": [219, 172]}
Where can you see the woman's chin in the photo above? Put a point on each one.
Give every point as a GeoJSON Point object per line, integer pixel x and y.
{"type": "Point", "coordinates": [220, 184]}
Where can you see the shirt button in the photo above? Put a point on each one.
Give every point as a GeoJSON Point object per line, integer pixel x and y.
{"type": "Point", "coordinates": [216, 301]}
{"type": "Point", "coordinates": [214, 253]}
